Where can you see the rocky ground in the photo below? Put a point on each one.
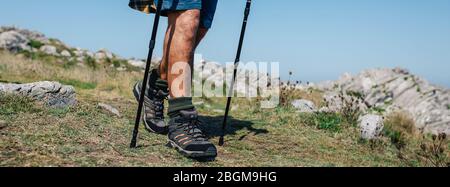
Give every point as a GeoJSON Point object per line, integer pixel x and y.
{"type": "Point", "coordinates": [65, 106]}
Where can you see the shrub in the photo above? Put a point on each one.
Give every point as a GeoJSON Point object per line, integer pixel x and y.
{"type": "Point", "coordinates": [35, 44]}
{"type": "Point", "coordinates": [434, 152]}
{"type": "Point", "coordinates": [399, 127]}
{"type": "Point", "coordinates": [350, 109]}
{"type": "Point", "coordinates": [91, 62]}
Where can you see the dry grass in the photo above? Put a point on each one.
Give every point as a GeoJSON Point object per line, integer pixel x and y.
{"type": "Point", "coordinates": [108, 83]}
{"type": "Point", "coordinates": [288, 94]}
{"type": "Point", "coordinates": [401, 121]}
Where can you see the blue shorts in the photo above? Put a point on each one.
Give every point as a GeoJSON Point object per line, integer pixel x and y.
{"type": "Point", "coordinates": [207, 8]}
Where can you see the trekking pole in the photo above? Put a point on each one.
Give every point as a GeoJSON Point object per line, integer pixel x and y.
{"type": "Point", "coordinates": [147, 70]}
{"type": "Point", "coordinates": [236, 63]}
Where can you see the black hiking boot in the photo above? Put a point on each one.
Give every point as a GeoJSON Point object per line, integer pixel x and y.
{"type": "Point", "coordinates": [153, 106]}
{"type": "Point", "coordinates": [187, 138]}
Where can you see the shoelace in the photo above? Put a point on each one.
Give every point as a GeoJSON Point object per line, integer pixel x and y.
{"type": "Point", "coordinates": [192, 129]}
{"type": "Point", "coordinates": [158, 104]}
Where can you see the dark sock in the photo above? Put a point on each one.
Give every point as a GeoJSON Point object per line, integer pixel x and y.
{"type": "Point", "coordinates": [156, 82]}
{"type": "Point", "coordinates": [178, 104]}
{"type": "Point", "coordinates": [161, 84]}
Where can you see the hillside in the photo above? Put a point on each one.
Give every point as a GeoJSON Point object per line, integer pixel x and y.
{"type": "Point", "coordinates": [86, 134]}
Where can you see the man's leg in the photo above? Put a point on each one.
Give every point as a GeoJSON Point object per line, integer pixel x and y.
{"type": "Point", "coordinates": [201, 33]}
{"type": "Point", "coordinates": [181, 41]}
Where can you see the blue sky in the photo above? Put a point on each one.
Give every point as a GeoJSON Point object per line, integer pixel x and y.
{"type": "Point", "coordinates": [316, 39]}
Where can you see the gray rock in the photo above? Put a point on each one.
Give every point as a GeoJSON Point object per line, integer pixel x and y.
{"type": "Point", "coordinates": [65, 53]}
{"type": "Point", "coordinates": [52, 93]}
{"type": "Point", "coordinates": [398, 89]}
{"type": "Point", "coordinates": [371, 126]}
{"type": "Point", "coordinates": [103, 54]}
{"type": "Point", "coordinates": [3, 124]}
{"type": "Point", "coordinates": [304, 106]}
{"type": "Point", "coordinates": [50, 50]}
{"type": "Point", "coordinates": [13, 41]}
{"type": "Point", "coordinates": [109, 109]}
{"type": "Point", "coordinates": [136, 63]}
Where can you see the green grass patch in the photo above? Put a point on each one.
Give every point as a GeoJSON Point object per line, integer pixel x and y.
{"type": "Point", "coordinates": [35, 44]}
{"type": "Point", "coordinates": [331, 122]}
{"type": "Point", "coordinates": [378, 110]}
{"type": "Point", "coordinates": [13, 104]}
{"type": "Point", "coordinates": [397, 138]}
{"type": "Point", "coordinates": [79, 84]}
{"type": "Point", "coordinates": [59, 112]}
{"type": "Point", "coordinates": [448, 106]}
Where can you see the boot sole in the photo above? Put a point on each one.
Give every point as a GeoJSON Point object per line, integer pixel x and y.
{"type": "Point", "coordinates": [193, 154]}
{"type": "Point", "coordinates": [149, 127]}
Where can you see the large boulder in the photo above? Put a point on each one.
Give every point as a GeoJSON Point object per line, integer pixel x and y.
{"type": "Point", "coordinates": [103, 54]}
{"type": "Point", "coordinates": [50, 50]}
{"type": "Point", "coordinates": [13, 41]}
{"type": "Point", "coordinates": [137, 63]}
{"type": "Point", "coordinates": [371, 126]}
{"type": "Point", "coordinates": [52, 93]}
{"type": "Point", "coordinates": [397, 89]}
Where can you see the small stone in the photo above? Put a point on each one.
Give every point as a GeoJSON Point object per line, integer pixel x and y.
{"type": "Point", "coordinates": [110, 109]}
{"type": "Point", "coordinates": [303, 105]}
{"type": "Point", "coordinates": [3, 124]}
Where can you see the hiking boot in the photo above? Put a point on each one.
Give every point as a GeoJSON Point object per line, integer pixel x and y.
{"type": "Point", "coordinates": [153, 108]}
{"type": "Point", "coordinates": [187, 138]}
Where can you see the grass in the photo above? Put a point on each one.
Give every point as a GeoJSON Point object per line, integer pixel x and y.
{"type": "Point", "coordinates": [331, 122]}
{"type": "Point", "coordinates": [399, 127]}
{"type": "Point", "coordinates": [84, 135]}
{"type": "Point", "coordinates": [35, 44]}
{"type": "Point", "coordinates": [79, 84]}
{"type": "Point", "coordinates": [12, 105]}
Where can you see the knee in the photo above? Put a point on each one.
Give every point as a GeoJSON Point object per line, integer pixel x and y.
{"type": "Point", "coordinates": [188, 23]}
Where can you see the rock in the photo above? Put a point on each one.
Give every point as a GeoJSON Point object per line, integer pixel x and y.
{"type": "Point", "coordinates": [137, 63]}
{"type": "Point", "coordinates": [52, 93]}
{"type": "Point", "coordinates": [198, 103]}
{"type": "Point", "coordinates": [3, 124]}
{"type": "Point", "coordinates": [110, 109]}
{"type": "Point", "coordinates": [50, 50]}
{"type": "Point", "coordinates": [398, 89]}
{"type": "Point", "coordinates": [218, 110]}
{"type": "Point", "coordinates": [65, 53]}
{"type": "Point", "coordinates": [371, 126]}
{"type": "Point", "coordinates": [78, 52]}
{"type": "Point", "coordinates": [121, 69]}
{"type": "Point", "coordinates": [304, 106]}
{"type": "Point", "coordinates": [13, 41]}
{"type": "Point", "coordinates": [103, 54]}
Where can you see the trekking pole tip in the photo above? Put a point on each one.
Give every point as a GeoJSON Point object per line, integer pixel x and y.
{"type": "Point", "coordinates": [221, 141]}
{"type": "Point", "coordinates": [133, 144]}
